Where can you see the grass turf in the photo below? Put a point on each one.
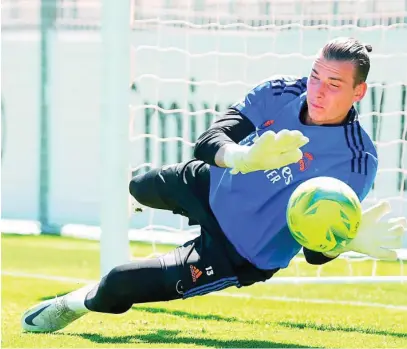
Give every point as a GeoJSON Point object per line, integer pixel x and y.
{"type": "Point", "coordinates": [267, 319]}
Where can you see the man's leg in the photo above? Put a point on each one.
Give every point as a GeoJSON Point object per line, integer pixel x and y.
{"type": "Point", "coordinates": [196, 268]}
{"type": "Point", "coordinates": [181, 188]}
{"type": "Point", "coordinates": [147, 189]}
{"type": "Point", "coordinates": [150, 280]}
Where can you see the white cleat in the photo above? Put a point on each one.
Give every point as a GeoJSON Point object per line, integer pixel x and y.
{"type": "Point", "coordinates": [57, 313]}
{"type": "Point", "coordinates": [49, 316]}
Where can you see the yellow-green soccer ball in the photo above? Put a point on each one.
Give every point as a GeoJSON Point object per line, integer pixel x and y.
{"type": "Point", "coordinates": [323, 213]}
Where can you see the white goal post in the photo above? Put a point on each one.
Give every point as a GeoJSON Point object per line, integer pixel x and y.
{"type": "Point", "coordinates": [114, 174]}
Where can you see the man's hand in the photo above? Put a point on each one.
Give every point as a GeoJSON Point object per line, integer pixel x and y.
{"type": "Point", "coordinates": [269, 151]}
{"type": "Point", "coordinates": [376, 237]}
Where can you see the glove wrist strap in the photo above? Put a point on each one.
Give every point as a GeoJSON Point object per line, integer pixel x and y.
{"type": "Point", "coordinates": [233, 155]}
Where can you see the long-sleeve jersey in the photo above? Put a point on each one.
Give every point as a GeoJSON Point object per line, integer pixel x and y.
{"type": "Point", "coordinates": [251, 208]}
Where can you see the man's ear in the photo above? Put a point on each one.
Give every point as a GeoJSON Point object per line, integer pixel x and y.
{"type": "Point", "coordinates": [360, 91]}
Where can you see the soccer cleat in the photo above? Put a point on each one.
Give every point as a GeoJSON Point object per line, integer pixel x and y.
{"type": "Point", "coordinates": [57, 313]}
{"type": "Point", "coordinates": [49, 316]}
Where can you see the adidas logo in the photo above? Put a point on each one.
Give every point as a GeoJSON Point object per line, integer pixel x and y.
{"type": "Point", "coordinates": [195, 272]}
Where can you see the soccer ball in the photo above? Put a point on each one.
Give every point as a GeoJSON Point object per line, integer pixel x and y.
{"type": "Point", "coordinates": [322, 213]}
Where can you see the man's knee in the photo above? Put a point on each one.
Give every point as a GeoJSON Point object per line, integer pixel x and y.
{"type": "Point", "coordinates": [143, 188]}
{"type": "Point", "coordinates": [144, 280]}
{"type": "Point", "coordinates": [108, 296]}
{"type": "Point", "coordinates": [156, 188]}
{"type": "Point", "coordinates": [135, 188]}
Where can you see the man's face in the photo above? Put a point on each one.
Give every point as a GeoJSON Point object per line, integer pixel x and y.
{"type": "Point", "coordinates": [331, 91]}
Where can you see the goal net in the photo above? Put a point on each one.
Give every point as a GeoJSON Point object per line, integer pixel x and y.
{"type": "Point", "coordinates": [188, 61]}
{"type": "Point", "coordinates": [191, 59]}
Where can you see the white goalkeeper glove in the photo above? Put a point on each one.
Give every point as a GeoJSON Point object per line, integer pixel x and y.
{"type": "Point", "coordinates": [269, 151]}
{"type": "Point", "coordinates": [376, 237]}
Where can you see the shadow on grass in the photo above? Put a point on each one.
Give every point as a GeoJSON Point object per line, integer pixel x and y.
{"type": "Point", "coordinates": [174, 337]}
{"type": "Point", "coordinates": [187, 315]}
{"type": "Point", "coordinates": [334, 328]}
{"type": "Point", "coordinates": [180, 313]}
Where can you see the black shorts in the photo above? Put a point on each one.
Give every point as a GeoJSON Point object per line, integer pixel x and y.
{"type": "Point", "coordinates": [209, 262]}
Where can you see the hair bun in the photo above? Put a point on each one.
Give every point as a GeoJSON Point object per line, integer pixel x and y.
{"type": "Point", "coordinates": [368, 48]}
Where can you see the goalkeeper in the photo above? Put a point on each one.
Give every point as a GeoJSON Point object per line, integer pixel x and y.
{"type": "Point", "coordinates": [246, 166]}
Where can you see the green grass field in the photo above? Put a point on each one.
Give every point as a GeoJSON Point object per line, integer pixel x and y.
{"type": "Point", "coordinates": [274, 316]}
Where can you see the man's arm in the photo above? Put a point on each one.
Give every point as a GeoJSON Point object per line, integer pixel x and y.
{"type": "Point", "coordinates": [377, 237]}
{"type": "Point", "coordinates": [228, 130]}
{"type": "Point", "coordinates": [317, 258]}
{"type": "Point", "coordinates": [218, 146]}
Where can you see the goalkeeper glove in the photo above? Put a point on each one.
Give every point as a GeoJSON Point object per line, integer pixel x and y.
{"type": "Point", "coordinates": [376, 237]}
{"type": "Point", "coordinates": [269, 151]}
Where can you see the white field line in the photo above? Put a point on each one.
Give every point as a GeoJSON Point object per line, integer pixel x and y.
{"type": "Point", "coordinates": [316, 301]}
{"type": "Point", "coordinates": [221, 294]}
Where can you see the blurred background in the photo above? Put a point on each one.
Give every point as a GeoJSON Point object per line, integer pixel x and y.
{"type": "Point", "coordinates": [189, 60]}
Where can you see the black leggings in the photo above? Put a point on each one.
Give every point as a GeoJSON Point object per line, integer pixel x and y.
{"type": "Point", "coordinates": [181, 188]}
{"type": "Point", "coordinates": [152, 280]}
{"type": "Point", "coordinates": [206, 264]}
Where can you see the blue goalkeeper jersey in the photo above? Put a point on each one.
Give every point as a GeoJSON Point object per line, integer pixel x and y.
{"type": "Point", "coordinates": [251, 208]}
